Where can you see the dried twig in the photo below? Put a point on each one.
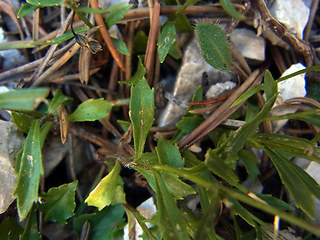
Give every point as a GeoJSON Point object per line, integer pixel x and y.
{"type": "Point", "coordinates": [106, 37]}
{"type": "Point", "coordinates": [219, 115]}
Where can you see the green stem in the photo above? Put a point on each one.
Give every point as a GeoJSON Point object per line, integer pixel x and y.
{"type": "Point", "coordinates": [240, 196]}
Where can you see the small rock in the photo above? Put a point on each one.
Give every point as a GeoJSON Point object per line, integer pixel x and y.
{"type": "Point", "coordinates": [248, 44]}
{"type": "Point", "coordinates": [11, 143]}
{"type": "Point", "coordinates": [290, 88]}
{"type": "Point", "coordinates": [194, 71]}
{"type": "Point", "coordinates": [294, 14]}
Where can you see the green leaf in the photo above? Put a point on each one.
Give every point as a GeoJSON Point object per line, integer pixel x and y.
{"type": "Point", "coordinates": [141, 114]}
{"type": "Point", "coordinates": [310, 69]}
{"type": "Point", "coordinates": [214, 46]}
{"type": "Point", "coordinates": [58, 203]}
{"type": "Point", "coordinates": [58, 98]}
{"type": "Point", "coordinates": [141, 71]}
{"type": "Point", "coordinates": [297, 146]}
{"type": "Point", "coordinates": [247, 94]}
{"type": "Point", "coordinates": [275, 202]}
{"type": "Point", "coordinates": [24, 99]}
{"type": "Point", "coordinates": [124, 124]}
{"type": "Point", "coordinates": [205, 229]}
{"type": "Point", "coordinates": [25, 9]}
{"type": "Point", "coordinates": [171, 221]}
{"type": "Point", "coordinates": [103, 224]}
{"type": "Point", "coordinates": [185, 5]}
{"type": "Point", "coordinates": [189, 123]}
{"type": "Point", "coordinates": [45, 3]}
{"type": "Point", "coordinates": [236, 143]}
{"type": "Point", "coordinates": [10, 228]}
{"type": "Point", "coordinates": [166, 40]}
{"type": "Point", "coordinates": [117, 12]}
{"type": "Point", "coordinates": [169, 154]}
{"type": "Point", "coordinates": [30, 171]}
{"type": "Point", "coordinates": [22, 121]}
{"type": "Point", "coordinates": [270, 85]}
{"type": "Point", "coordinates": [64, 37]}
{"type": "Point", "coordinates": [104, 192]}
{"type": "Point", "coordinates": [31, 229]}
{"type": "Point", "coordinates": [140, 42]}
{"type": "Point", "coordinates": [228, 7]}
{"type": "Point", "coordinates": [250, 162]}
{"type": "Point", "coordinates": [91, 110]}
{"type": "Point", "coordinates": [300, 185]}
{"type": "Point", "coordinates": [177, 188]}
{"type": "Point", "coordinates": [218, 167]}
{"type": "Point", "coordinates": [120, 46]}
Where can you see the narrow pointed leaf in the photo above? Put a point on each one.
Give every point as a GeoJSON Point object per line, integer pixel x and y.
{"type": "Point", "coordinates": [172, 224]}
{"type": "Point", "coordinates": [31, 229]}
{"type": "Point", "coordinates": [228, 7]}
{"type": "Point", "coordinates": [214, 46]}
{"type": "Point", "coordinates": [270, 85]}
{"type": "Point", "coordinates": [166, 40]}
{"type": "Point", "coordinates": [141, 114]}
{"type": "Point", "coordinates": [45, 3]}
{"type": "Point", "coordinates": [104, 192]}
{"type": "Point", "coordinates": [58, 203]}
{"type": "Point", "coordinates": [91, 110]}
{"type": "Point", "coordinates": [58, 98]}
{"type": "Point", "coordinates": [103, 224]}
{"type": "Point", "coordinates": [300, 185]}
{"type": "Point", "coordinates": [117, 12]}
{"type": "Point", "coordinates": [25, 9]}
{"type": "Point", "coordinates": [23, 99]}
{"type": "Point", "coordinates": [169, 154]}
{"type": "Point", "coordinates": [30, 171]}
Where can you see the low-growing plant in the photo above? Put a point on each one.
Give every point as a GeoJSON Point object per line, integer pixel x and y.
{"type": "Point", "coordinates": [172, 171]}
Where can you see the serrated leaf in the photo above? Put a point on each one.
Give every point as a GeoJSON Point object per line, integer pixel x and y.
{"type": "Point", "coordinates": [166, 40]}
{"type": "Point", "coordinates": [45, 3]}
{"type": "Point", "coordinates": [31, 229]}
{"type": "Point", "coordinates": [117, 12]}
{"type": "Point", "coordinates": [300, 185]}
{"type": "Point", "coordinates": [270, 85]}
{"type": "Point", "coordinates": [168, 154]}
{"type": "Point", "coordinates": [171, 222]}
{"type": "Point", "coordinates": [104, 192]}
{"type": "Point", "coordinates": [228, 7]}
{"type": "Point", "coordinates": [58, 98]}
{"type": "Point", "coordinates": [58, 203]}
{"type": "Point", "coordinates": [23, 99]}
{"type": "Point", "coordinates": [25, 9]}
{"type": "Point", "coordinates": [30, 171]}
{"type": "Point", "coordinates": [120, 46]}
{"type": "Point", "coordinates": [141, 114]}
{"type": "Point", "coordinates": [103, 224]}
{"type": "Point", "coordinates": [91, 110]}
{"type": "Point", "coordinates": [214, 46]}
{"type": "Point", "coordinates": [22, 121]}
